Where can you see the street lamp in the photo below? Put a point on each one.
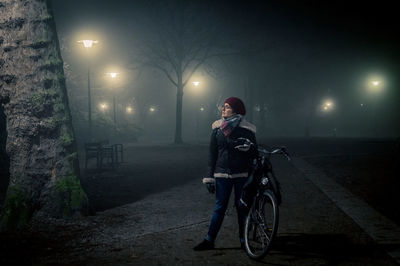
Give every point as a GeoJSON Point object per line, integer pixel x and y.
{"type": "Point", "coordinates": [375, 87]}
{"type": "Point", "coordinates": [129, 110]}
{"type": "Point", "coordinates": [196, 87]}
{"type": "Point", "coordinates": [375, 84]}
{"type": "Point", "coordinates": [89, 44]}
{"type": "Point", "coordinates": [103, 106]}
{"type": "Point", "coordinates": [327, 105]}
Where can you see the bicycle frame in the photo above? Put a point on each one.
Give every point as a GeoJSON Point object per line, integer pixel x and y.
{"type": "Point", "coordinates": [263, 218]}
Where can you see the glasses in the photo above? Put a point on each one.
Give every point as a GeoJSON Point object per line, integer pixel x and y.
{"type": "Point", "coordinates": [226, 107]}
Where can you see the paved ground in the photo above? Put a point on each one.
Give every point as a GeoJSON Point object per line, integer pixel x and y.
{"type": "Point", "coordinates": [155, 209]}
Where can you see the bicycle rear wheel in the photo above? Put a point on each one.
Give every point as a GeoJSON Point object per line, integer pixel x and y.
{"type": "Point", "coordinates": [261, 225]}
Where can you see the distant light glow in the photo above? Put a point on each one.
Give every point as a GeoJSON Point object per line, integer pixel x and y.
{"type": "Point", "coordinates": [196, 83]}
{"type": "Point", "coordinates": [103, 106]}
{"type": "Point", "coordinates": [327, 105]}
{"type": "Point", "coordinates": [201, 109]}
{"type": "Point", "coordinates": [129, 110]}
{"type": "Point", "coordinates": [88, 43]}
{"type": "Point", "coordinates": [152, 109]}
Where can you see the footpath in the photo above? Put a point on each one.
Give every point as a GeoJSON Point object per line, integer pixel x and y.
{"type": "Point", "coordinates": [317, 227]}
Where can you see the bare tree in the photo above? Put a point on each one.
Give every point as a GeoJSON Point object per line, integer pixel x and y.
{"type": "Point", "coordinates": [178, 39]}
{"type": "Point", "coordinates": [44, 179]}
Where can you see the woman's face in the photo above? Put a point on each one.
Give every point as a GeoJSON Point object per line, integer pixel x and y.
{"type": "Point", "coordinates": [227, 111]}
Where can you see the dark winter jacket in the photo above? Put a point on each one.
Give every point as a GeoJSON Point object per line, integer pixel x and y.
{"type": "Point", "coordinates": [224, 159]}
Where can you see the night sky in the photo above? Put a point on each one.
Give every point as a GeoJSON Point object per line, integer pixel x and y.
{"type": "Point", "coordinates": [328, 49]}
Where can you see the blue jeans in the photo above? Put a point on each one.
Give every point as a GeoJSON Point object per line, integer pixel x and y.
{"type": "Point", "coordinates": [223, 189]}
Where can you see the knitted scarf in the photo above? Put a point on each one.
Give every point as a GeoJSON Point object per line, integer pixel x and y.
{"type": "Point", "coordinates": [229, 124]}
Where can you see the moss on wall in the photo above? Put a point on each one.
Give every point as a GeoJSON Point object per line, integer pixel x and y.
{"type": "Point", "coordinates": [66, 139]}
{"type": "Point", "coordinates": [71, 197]}
{"type": "Point", "coordinates": [39, 98]}
{"type": "Point", "coordinates": [16, 210]}
{"type": "Point", "coordinates": [59, 107]}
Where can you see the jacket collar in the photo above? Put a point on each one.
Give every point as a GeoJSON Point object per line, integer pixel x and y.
{"type": "Point", "coordinates": [243, 124]}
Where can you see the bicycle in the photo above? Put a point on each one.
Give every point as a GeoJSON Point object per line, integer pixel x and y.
{"type": "Point", "coordinates": [261, 224]}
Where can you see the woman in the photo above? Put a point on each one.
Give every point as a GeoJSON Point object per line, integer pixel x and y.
{"type": "Point", "coordinates": [229, 165]}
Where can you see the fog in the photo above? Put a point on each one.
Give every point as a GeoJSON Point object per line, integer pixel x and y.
{"type": "Point", "coordinates": [286, 59]}
{"type": "Point", "coordinates": [320, 78]}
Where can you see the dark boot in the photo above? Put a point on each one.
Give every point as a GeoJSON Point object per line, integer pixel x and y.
{"type": "Point", "coordinates": [205, 245]}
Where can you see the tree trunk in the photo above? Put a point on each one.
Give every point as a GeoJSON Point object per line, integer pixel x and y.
{"type": "Point", "coordinates": [44, 179]}
{"type": "Point", "coordinates": [4, 159]}
{"type": "Point", "coordinates": [179, 99]}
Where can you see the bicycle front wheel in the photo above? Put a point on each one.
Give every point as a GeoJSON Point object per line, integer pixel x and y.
{"type": "Point", "coordinates": [261, 225]}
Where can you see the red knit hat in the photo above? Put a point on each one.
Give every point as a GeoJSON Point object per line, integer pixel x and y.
{"type": "Point", "coordinates": [237, 105]}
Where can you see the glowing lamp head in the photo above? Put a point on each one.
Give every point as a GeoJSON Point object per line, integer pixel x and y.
{"type": "Point", "coordinates": [196, 83]}
{"type": "Point", "coordinates": [88, 43]}
{"type": "Point", "coordinates": [376, 83]}
{"type": "Point", "coordinates": [152, 109]}
{"type": "Point", "coordinates": [129, 110]}
{"type": "Point", "coordinates": [113, 74]}
{"type": "Point", "coordinates": [201, 109]}
{"type": "Point", "coordinates": [327, 105]}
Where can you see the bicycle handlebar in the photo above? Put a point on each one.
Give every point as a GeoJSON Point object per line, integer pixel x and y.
{"type": "Point", "coordinates": [247, 143]}
{"type": "Point", "coordinates": [281, 150]}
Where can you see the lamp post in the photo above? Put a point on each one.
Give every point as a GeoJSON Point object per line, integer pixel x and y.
{"type": "Point", "coordinates": [196, 84]}
{"type": "Point", "coordinates": [89, 44]}
{"type": "Point", "coordinates": [328, 106]}
{"type": "Point", "coordinates": [375, 87]}
{"type": "Point", "coordinates": [113, 75]}
{"type": "Point", "coordinates": [199, 111]}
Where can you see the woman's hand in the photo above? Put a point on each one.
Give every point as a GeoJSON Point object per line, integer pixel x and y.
{"type": "Point", "coordinates": [211, 188]}
{"type": "Point", "coordinates": [210, 184]}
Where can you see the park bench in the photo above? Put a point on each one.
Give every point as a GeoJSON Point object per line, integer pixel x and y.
{"type": "Point", "coordinates": [92, 150]}
{"type": "Point", "coordinates": [104, 153]}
